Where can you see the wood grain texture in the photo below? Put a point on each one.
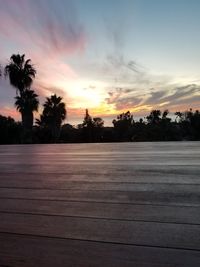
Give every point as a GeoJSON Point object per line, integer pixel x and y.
{"type": "Point", "coordinates": [156, 213]}
{"type": "Point", "coordinates": [126, 197]}
{"type": "Point", "coordinates": [35, 251]}
{"type": "Point", "coordinates": [104, 230]}
{"type": "Point", "coordinates": [115, 205]}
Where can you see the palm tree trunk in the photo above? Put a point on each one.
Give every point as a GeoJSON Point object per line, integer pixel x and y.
{"type": "Point", "coordinates": [55, 133]}
{"type": "Point", "coordinates": [27, 124]}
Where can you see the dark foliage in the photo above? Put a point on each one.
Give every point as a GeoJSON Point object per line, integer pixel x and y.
{"type": "Point", "coordinates": [53, 114]}
{"type": "Point", "coordinates": [123, 126]}
{"type": "Point", "coordinates": [157, 127]}
{"type": "Point", "coordinates": [21, 74]}
{"type": "Point", "coordinates": [91, 129]}
{"type": "Point", "coordinates": [10, 131]}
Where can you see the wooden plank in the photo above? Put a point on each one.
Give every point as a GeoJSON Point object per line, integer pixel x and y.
{"type": "Point", "coordinates": [134, 197]}
{"type": "Point", "coordinates": [153, 177]}
{"type": "Point", "coordinates": [186, 146]}
{"type": "Point", "coordinates": [90, 196]}
{"type": "Point", "coordinates": [173, 214]}
{"type": "Point", "coordinates": [131, 170]}
{"type": "Point", "coordinates": [23, 251]}
{"type": "Point", "coordinates": [104, 150]}
{"type": "Point", "coordinates": [103, 230]}
{"type": "Point", "coordinates": [114, 186]}
{"type": "Point", "coordinates": [108, 167]}
{"type": "Point", "coordinates": [124, 161]}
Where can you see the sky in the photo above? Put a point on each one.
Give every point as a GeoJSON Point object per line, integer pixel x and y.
{"type": "Point", "coordinates": [109, 56]}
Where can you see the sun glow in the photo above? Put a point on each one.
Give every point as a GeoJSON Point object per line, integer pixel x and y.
{"type": "Point", "coordinates": [84, 96]}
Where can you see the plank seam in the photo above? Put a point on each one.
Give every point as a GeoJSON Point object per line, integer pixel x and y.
{"type": "Point", "coordinates": [102, 242]}
{"type": "Point", "coordinates": [103, 202]}
{"type": "Point", "coordinates": [99, 218]}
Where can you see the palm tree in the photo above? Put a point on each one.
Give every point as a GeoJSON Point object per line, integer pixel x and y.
{"type": "Point", "coordinates": [21, 72]}
{"type": "Point", "coordinates": [53, 115]}
{"type": "Point", "coordinates": [26, 104]}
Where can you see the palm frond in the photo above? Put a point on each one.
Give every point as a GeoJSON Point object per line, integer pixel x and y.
{"type": "Point", "coordinates": [20, 72]}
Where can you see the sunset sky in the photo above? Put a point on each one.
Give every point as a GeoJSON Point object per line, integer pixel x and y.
{"type": "Point", "coordinates": [108, 56]}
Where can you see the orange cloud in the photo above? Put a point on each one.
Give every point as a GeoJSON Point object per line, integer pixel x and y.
{"type": "Point", "coordinates": [12, 112]}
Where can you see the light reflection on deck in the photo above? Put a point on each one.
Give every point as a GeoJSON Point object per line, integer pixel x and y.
{"type": "Point", "coordinates": [115, 205]}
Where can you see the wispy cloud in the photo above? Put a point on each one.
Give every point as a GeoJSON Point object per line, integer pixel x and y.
{"type": "Point", "coordinates": [173, 97]}
{"type": "Point", "coordinates": [42, 25]}
{"type": "Point", "coordinates": [136, 88]}
{"type": "Point", "coordinates": [47, 31]}
{"type": "Point", "coordinates": [52, 35]}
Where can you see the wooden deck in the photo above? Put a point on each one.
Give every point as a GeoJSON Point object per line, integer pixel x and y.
{"type": "Point", "coordinates": [100, 205]}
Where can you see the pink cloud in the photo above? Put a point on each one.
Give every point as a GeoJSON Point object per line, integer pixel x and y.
{"type": "Point", "coordinates": [48, 32]}
{"type": "Point", "coordinates": [9, 111]}
{"type": "Point", "coordinates": [36, 25]}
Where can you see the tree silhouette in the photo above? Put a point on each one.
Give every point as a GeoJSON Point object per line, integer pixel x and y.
{"type": "Point", "coordinates": [21, 72]}
{"type": "Point", "coordinates": [165, 114]}
{"type": "Point", "coordinates": [26, 104]}
{"type": "Point", "coordinates": [154, 117]}
{"type": "Point", "coordinates": [191, 124]}
{"type": "Point", "coordinates": [98, 122]}
{"type": "Point", "coordinates": [188, 128]}
{"type": "Point", "coordinates": [53, 115]}
{"type": "Point", "coordinates": [87, 122]}
{"type": "Point", "coordinates": [123, 126]}
{"type": "Point", "coordinates": [87, 127]}
{"type": "Point", "coordinates": [179, 116]}
{"type": "Point", "coordinates": [9, 130]}
{"type": "Point", "coordinates": [91, 128]}
{"type": "Point", "coordinates": [98, 129]}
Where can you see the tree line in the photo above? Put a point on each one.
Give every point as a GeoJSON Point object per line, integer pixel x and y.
{"type": "Point", "coordinates": [157, 126]}
{"type": "Point", "coordinates": [21, 74]}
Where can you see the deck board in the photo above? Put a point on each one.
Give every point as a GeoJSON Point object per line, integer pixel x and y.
{"type": "Point", "coordinates": [156, 213]}
{"type": "Point", "coordinates": [104, 230]}
{"type": "Point", "coordinates": [128, 204]}
{"type": "Point", "coordinates": [126, 197]}
{"type": "Point", "coordinates": [41, 251]}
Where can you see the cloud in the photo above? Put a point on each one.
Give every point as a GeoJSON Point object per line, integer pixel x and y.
{"type": "Point", "coordinates": [172, 97]}
{"type": "Point", "coordinates": [9, 111]}
{"type": "Point", "coordinates": [118, 62]}
{"type": "Point", "coordinates": [182, 92]}
{"type": "Point", "coordinates": [50, 33]}
{"type": "Point", "coordinates": [128, 103]}
{"type": "Point", "coordinates": [48, 26]}
{"type": "Point", "coordinates": [123, 98]}
{"type": "Point", "coordinates": [156, 96]}
{"type": "Point", "coordinates": [47, 31]}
